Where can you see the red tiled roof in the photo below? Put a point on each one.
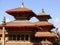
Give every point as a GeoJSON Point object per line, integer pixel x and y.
{"type": "Point", "coordinates": [24, 23]}
{"type": "Point", "coordinates": [20, 23]}
{"type": "Point", "coordinates": [43, 23]}
{"type": "Point", "coordinates": [27, 23]}
{"type": "Point", "coordinates": [45, 34]}
{"type": "Point", "coordinates": [19, 10]}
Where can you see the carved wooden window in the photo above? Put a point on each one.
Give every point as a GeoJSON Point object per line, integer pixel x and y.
{"type": "Point", "coordinates": [21, 37]}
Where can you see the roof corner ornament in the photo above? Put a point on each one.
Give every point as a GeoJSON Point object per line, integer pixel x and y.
{"type": "Point", "coordinates": [22, 6]}
{"type": "Point", "coordinates": [4, 21]}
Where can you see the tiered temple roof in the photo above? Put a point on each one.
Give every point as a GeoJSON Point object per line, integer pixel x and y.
{"type": "Point", "coordinates": [21, 23]}
{"type": "Point", "coordinates": [43, 16]}
{"type": "Point", "coordinates": [22, 16]}
{"type": "Point", "coordinates": [21, 13]}
{"type": "Point", "coordinates": [43, 23]}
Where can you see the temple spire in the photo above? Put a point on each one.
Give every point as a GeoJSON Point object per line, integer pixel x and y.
{"type": "Point", "coordinates": [43, 11]}
{"type": "Point", "coordinates": [22, 6]}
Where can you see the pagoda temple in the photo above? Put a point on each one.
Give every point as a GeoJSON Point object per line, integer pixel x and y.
{"type": "Point", "coordinates": [23, 32]}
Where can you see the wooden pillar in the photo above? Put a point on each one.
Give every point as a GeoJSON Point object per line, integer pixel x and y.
{"type": "Point", "coordinates": [29, 38]}
{"type": "Point", "coordinates": [20, 37]}
{"type": "Point", "coordinates": [3, 36]}
{"type": "Point", "coordinates": [24, 37]}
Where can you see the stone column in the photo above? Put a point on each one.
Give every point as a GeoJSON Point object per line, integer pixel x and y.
{"type": "Point", "coordinates": [3, 33]}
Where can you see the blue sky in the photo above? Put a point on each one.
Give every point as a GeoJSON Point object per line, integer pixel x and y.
{"type": "Point", "coordinates": [51, 7]}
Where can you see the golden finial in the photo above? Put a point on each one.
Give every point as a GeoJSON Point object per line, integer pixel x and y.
{"type": "Point", "coordinates": [43, 11]}
{"type": "Point", "coordinates": [22, 6]}
{"type": "Point", "coordinates": [4, 21]}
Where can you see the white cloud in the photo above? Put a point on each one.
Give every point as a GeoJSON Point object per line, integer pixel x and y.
{"type": "Point", "coordinates": [56, 20]}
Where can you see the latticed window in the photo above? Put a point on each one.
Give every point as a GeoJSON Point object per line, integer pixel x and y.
{"type": "Point", "coordinates": [21, 37]}
{"type": "Point", "coordinates": [18, 37]}
{"type": "Point", "coordinates": [26, 37]}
